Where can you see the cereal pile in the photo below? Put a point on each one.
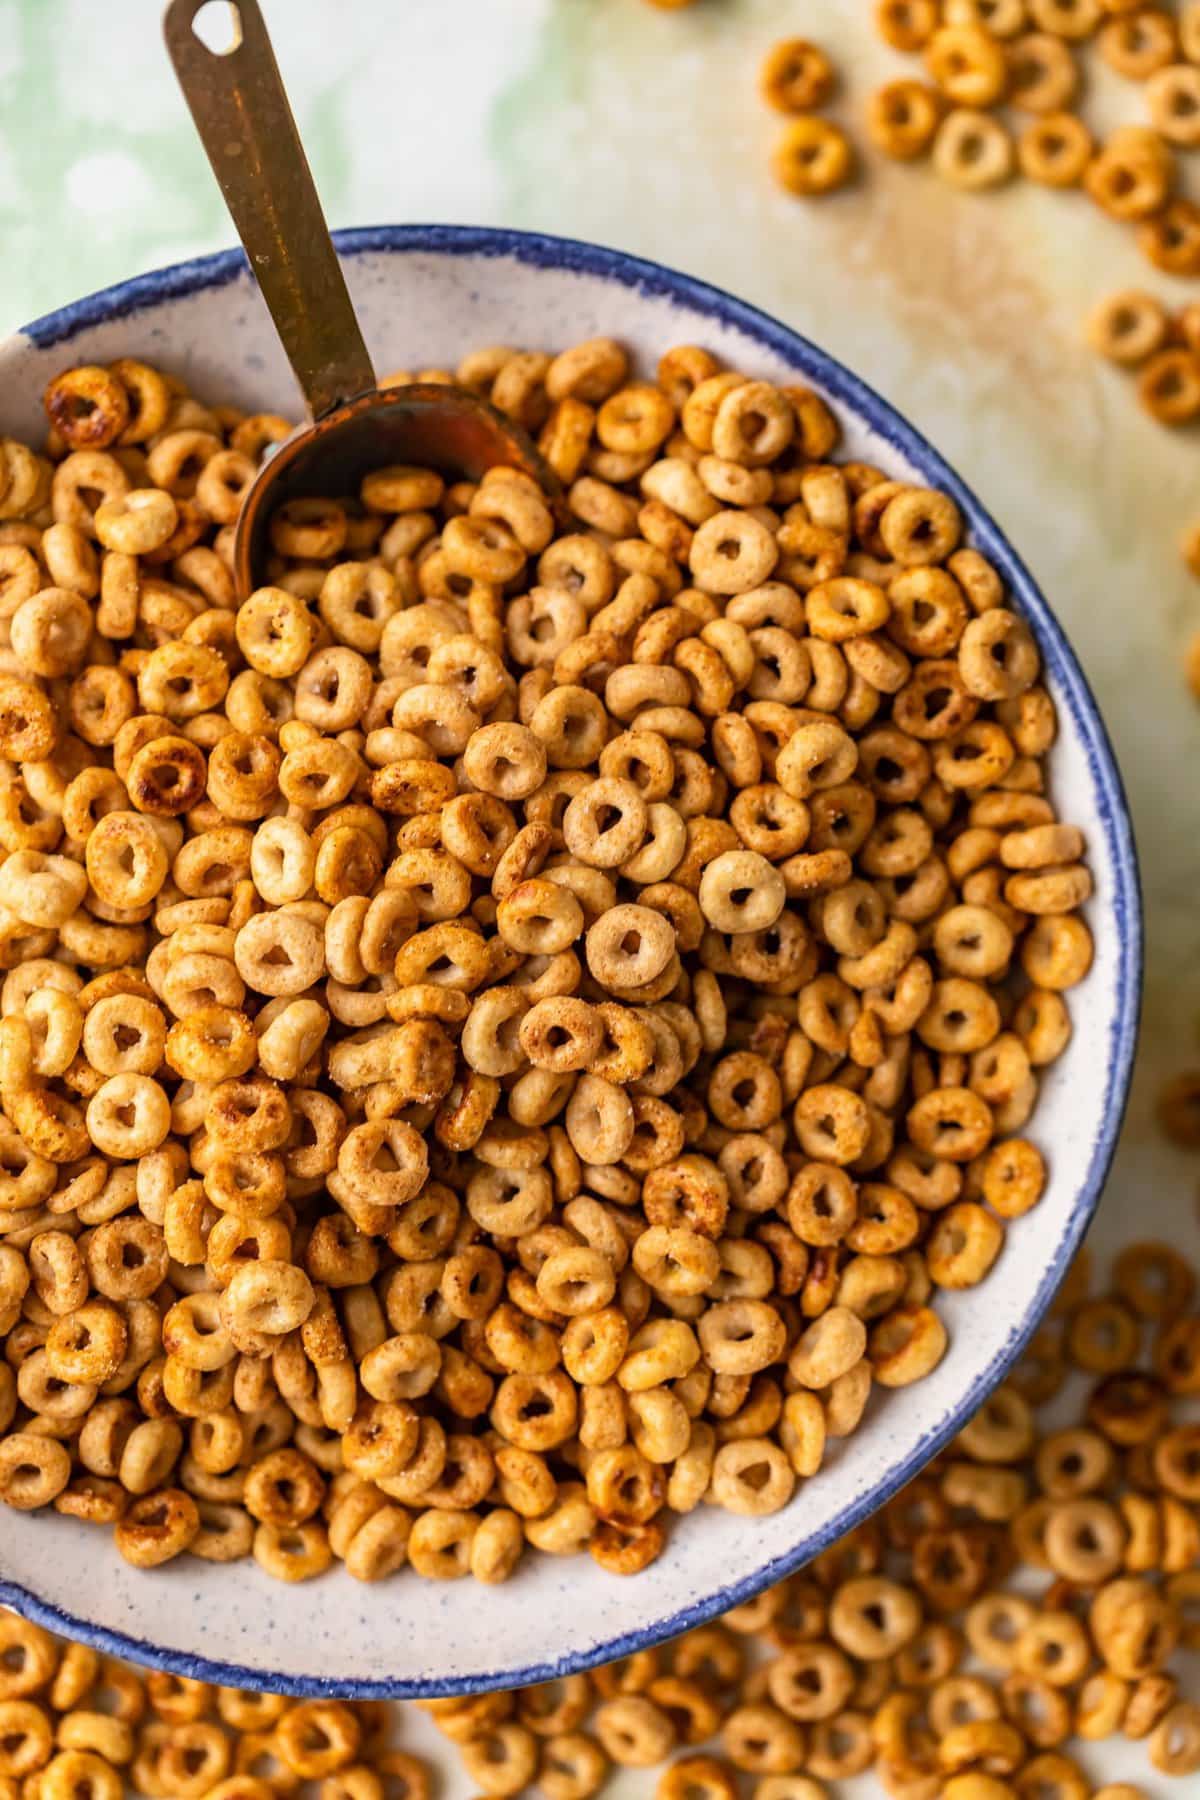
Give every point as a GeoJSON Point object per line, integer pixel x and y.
{"type": "Point", "coordinates": [988, 60]}
{"type": "Point", "coordinates": [1025, 1598]}
{"type": "Point", "coordinates": [506, 1031]}
{"type": "Point", "coordinates": [75, 1724]}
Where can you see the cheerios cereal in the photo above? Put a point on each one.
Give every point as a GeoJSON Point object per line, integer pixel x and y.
{"type": "Point", "coordinates": [508, 1026]}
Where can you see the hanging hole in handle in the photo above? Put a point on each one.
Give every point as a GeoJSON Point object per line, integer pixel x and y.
{"type": "Point", "coordinates": [218, 25]}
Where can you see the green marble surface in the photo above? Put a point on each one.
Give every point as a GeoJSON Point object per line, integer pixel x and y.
{"type": "Point", "coordinates": [608, 119]}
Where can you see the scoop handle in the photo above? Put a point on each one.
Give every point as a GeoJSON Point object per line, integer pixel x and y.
{"type": "Point", "coordinates": [241, 112]}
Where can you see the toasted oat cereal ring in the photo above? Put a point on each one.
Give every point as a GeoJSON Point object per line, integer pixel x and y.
{"type": "Point", "coordinates": [49, 631]}
{"type": "Point", "coordinates": [28, 729]}
{"type": "Point", "coordinates": [505, 760]}
{"type": "Point", "coordinates": [828, 1348]}
{"type": "Point", "coordinates": [1055, 1647]}
{"type": "Point", "coordinates": [605, 823]}
{"type": "Point", "coordinates": [1130, 177]}
{"type": "Point", "coordinates": [629, 945]}
{"type": "Point", "coordinates": [635, 420]}
{"type": "Point", "coordinates": [1176, 1462]}
{"type": "Point", "coordinates": [1154, 1280]}
{"type": "Point", "coordinates": [588, 371]}
{"type": "Point", "coordinates": [814, 156]}
{"type": "Point", "coordinates": [1133, 1626]}
{"type": "Point", "coordinates": [28, 1739]}
{"type": "Point", "coordinates": [310, 529]}
{"type": "Point", "coordinates": [1057, 953]}
{"type": "Point", "coordinates": [739, 1337]}
{"type": "Point", "coordinates": [1169, 386]}
{"type": "Point", "coordinates": [981, 755]}
{"type": "Point", "coordinates": [1055, 889]}
{"type": "Point", "coordinates": [952, 1123]}
{"type": "Point", "coordinates": [906, 1346]}
{"type": "Point", "coordinates": [1139, 42]}
{"type": "Point", "coordinates": [1177, 1358]}
{"type": "Point", "coordinates": [796, 76]}
{"type": "Point", "coordinates": [902, 118]}
{"type": "Point", "coordinates": [1014, 1177]}
{"type": "Point", "coordinates": [1043, 75]}
{"type": "Point", "coordinates": [400, 488]}
{"type": "Point", "coordinates": [137, 523]}
{"type": "Point", "coordinates": [972, 150]}
{"type": "Point", "coordinates": [292, 1552]}
{"type": "Point", "coordinates": [906, 24]}
{"type": "Point", "coordinates": [832, 1123]}
{"type": "Point", "coordinates": [279, 953]}
{"type": "Point", "coordinates": [963, 1245]}
{"type": "Point", "coordinates": [741, 891]}
{"type": "Point", "coordinates": [275, 632]}
{"type": "Point", "coordinates": [576, 1281]}
{"type": "Point", "coordinates": [561, 1034]}
{"type": "Point", "coordinates": [179, 680]}
{"type": "Point", "coordinates": [752, 1477]}
{"type": "Point", "coordinates": [1171, 239]}
{"type": "Point", "coordinates": [317, 1737]}
{"type": "Point", "coordinates": [624, 1486]}
{"type": "Point", "coordinates": [1173, 98]}
{"type": "Point", "coordinates": [157, 1527]}
{"type": "Point", "coordinates": [967, 64]}
{"type": "Point", "coordinates": [33, 1470]}
{"type": "Point", "coordinates": [126, 859]}
{"type": "Point", "coordinates": [870, 1617]}
{"type": "Point", "coordinates": [845, 608]}
{"type": "Point", "coordinates": [148, 395]}
{"type": "Point", "coordinates": [88, 406]}
{"type": "Point", "coordinates": [167, 776]}
{"type": "Point", "coordinates": [961, 1016]}
{"type": "Point", "coordinates": [1055, 150]}
{"type": "Point", "coordinates": [1128, 327]}
{"type": "Point", "coordinates": [1085, 1541]}
{"type": "Point", "coordinates": [936, 703]}
{"type": "Point", "coordinates": [754, 424]}
{"type": "Point", "coordinates": [732, 552]}
{"type": "Point", "coordinates": [816, 756]}
{"type": "Point", "coordinates": [128, 1116]}
{"type": "Point", "coordinates": [539, 918]}
{"type": "Point", "coordinates": [920, 526]}
{"type": "Point", "coordinates": [634, 1731]}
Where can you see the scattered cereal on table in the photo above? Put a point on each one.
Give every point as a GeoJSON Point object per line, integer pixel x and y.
{"type": "Point", "coordinates": [75, 1723]}
{"type": "Point", "coordinates": [813, 156]}
{"type": "Point", "coordinates": [1019, 1604]}
{"type": "Point", "coordinates": [796, 76]}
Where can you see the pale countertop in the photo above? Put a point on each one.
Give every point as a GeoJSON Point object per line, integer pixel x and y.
{"type": "Point", "coordinates": [607, 119]}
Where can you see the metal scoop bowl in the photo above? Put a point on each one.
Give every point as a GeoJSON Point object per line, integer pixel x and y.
{"type": "Point", "coordinates": [241, 112]}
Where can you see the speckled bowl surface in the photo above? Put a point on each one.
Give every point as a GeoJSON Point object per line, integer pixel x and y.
{"type": "Point", "coordinates": [424, 294]}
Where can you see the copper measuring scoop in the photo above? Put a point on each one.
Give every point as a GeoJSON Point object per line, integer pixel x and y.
{"type": "Point", "coordinates": [241, 112]}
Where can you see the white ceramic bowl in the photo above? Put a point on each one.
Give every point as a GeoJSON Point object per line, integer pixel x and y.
{"type": "Point", "coordinates": [424, 294]}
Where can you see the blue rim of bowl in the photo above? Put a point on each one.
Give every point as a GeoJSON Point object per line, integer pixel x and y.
{"type": "Point", "coordinates": [571, 254]}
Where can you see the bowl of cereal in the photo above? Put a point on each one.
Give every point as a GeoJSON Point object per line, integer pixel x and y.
{"type": "Point", "coordinates": [568, 1041]}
